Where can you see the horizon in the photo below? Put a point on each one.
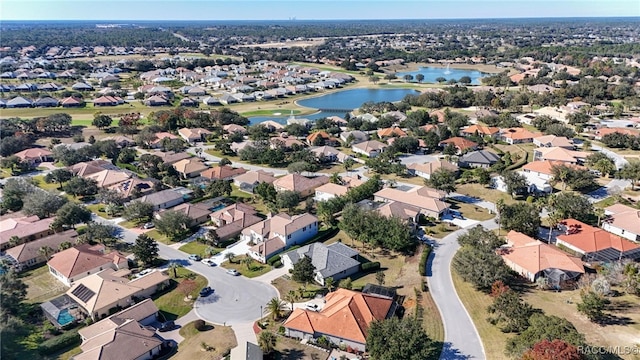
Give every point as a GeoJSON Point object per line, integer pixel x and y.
{"type": "Point", "coordinates": [312, 10]}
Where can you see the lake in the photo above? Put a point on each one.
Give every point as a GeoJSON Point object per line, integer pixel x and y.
{"type": "Point", "coordinates": [432, 73]}
{"type": "Point", "coordinates": [339, 103]}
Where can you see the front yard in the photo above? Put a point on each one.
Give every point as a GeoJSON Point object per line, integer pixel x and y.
{"type": "Point", "coordinates": [177, 300]}
{"type": "Point", "coordinates": [249, 270]}
{"type": "Point", "coordinates": [485, 193]}
{"type": "Point", "coordinates": [470, 211]}
{"type": "Point", "coordinates": [221, 339]}
{"type": "Point", "coordinates": [194, 247]}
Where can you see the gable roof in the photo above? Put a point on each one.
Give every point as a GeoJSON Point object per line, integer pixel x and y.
{"type": "Point", "coordinates": [346, 314]}
{"type": "Point", "coordinates": [328, 260]}
{"type": "Point", "coordinates": [80, 259]}
{"type": "Point", "coordinates": [480, 157]}
{"type": "Point", "coordinates": [23, 227]}
{"type": "Point", "coordinates": [299, 183]}
{"type": "Point", "coordinates": [222, 172]}
{"type": "Point", "coordinates": [31, 250]}
{"type": "Point", "coordinates": [137, 312]}
{"type": "Point", "coordinates": [392, 131]}
{"type": "Point", "coordinates": [589, 239]}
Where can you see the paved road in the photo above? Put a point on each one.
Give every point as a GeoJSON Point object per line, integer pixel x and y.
{"type": "Point", "coordinates": [461, 338]}
{"type": "Point", "coordinates": [235, 300]}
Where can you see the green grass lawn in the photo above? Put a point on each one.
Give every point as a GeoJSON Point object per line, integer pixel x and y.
{"type": "Point", "coordinates": [172, 302]}
{"type": "Point", "coordinates": [42, 286]}
{"type": "Point", "coordinates": [471, 211]}
{"type": "Point", "coordinates": [258, 204]}
{"type": "Point", "coordinates": [253, 270]}
{"type": "Point", "coordinates": [81, 122]}
{"type": "Point", "coordinates": [99, 210]}
{"type": "Point", "coordinates": [43, 184]}
{"type": "Point", "coordinates": [269, 112]}
{"type": "Point", "coordinates": [195, 247]}
{"type": "Point", "coordinates": [129, 224]}
{"type": "Point", "coordinates": [155, 235]}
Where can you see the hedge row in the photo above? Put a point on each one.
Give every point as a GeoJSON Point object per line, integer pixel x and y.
{"type": "Point", "coordinates": [521, 163]}
{"type": "Point", "coordinates": [67, 340]}
{"type": "Point", "coordinates": [370, 266]}
{"type": "Point", "coordinates": [423, 260]}
{"type": "Point", "coordinates": [272, 260]}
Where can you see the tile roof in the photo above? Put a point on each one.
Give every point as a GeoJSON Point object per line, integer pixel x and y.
{"type": "Point", "coordinates": [254, 177]}
{"type": "Point", "coordinates": [559, 154]}
{"type": "Point", "coordinates": [624, 217]}
{"type": "Point", "coordinates": [31, 250]}
{"type": "Point", "coordinates": [335, 189]}
{"type": "Point", "coordinates": [282, 224]}
{"type": "Point", "coordinates": [313, 136]}
{"type": "Point", "coordinates": [518, 134]}
{"type": "Point", "coordinates": [346, 314]}
{"type": "Point", "coordinates": [545, 166]}
{"type": "Point", "coordinates": [369, 146]}
{"type": "Point", "coordinates": [23, 227]}
{"type": "Point", "coordinates": [80, 259]}
{"type": "Point", "coordinates": [193, 133]}
{"type": "Point", "coordinates": [590, 239]}
{"type": "Point", "coordinates": [419, 198]}
{"type": "Point", "coordinates": [392, 131]}
{"type": "Point", "coordinates": [137, 312]}
{"type": "Point", "coordinates": [106, 178]}
{"type": "Point", "coordinates": [234, 218]}
{"type": "Point", "coordinates": [481, 129]}
{"type": "Point", "coordinates": [193, 211]}
{"type": "Point", "coordinates": [190, 166]}
{"type": "Point", "coordinates": [126, 341]}
{"type": "Point", "coordinates": [33, 153]}
{"type": "Point", "coordinates": [459, 142]}
{"type": "Point", "coordinates": [222, 172]}
{"type": "Point", "coordinates": [299, 183]}
{"type": "Point", "coordinates": [552, 140]}
{"type": "Point", "coordinates": [171, 157]}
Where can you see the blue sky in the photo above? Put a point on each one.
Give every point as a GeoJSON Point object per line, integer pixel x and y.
{"type": "Point", "coordinates": [308, 9]}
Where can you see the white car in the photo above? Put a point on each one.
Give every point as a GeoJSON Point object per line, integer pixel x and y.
{"type": "Point", "coordinates": [208, 262]}
{"type": "Point", "coordinates": [311, 306]}
{"type": "Point", "coordinates": [233, 272]}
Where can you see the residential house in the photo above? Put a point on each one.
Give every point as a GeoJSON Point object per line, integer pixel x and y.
{"type": "Point", "coordinates": [28, 254]}
{"type": "Point", "coordinates": [144, 313]}
{"type": "Point", "coordinates": [596, 244]}
{"type": "Point", "coordinates": [336, 260]}
{"type": "Point", "coordinates": [71, 102]}
{"type": "Point", "coordinates": [34, 156]}
{"type": "Point", "coordinates": [73, 264]}
{"type": "Point", "coordinates": [249, 180]}
{"type": "Point", "coordinates": [602, 132]}
{"type": "Point", "coordinates": [25, 228]}
{"type": "Point", "coordinates": [478, 159]}
{"type": "Point", "coordinates": [517, 135]}
{"type": "Point", "coordinates": [189, 168]}
{"type": "Point", "coordinates": [231, 220]}
{"type": "Point", "coordinates": [157, 143]}
{"type": "Point", "coordinates": [18, 102]}
{"type": "Point", "coordinates": [163, 199]}
{"type": "Point", "coordinates": [560, 154]}
{"type": "Point", "coordinates": [329, 154]}
{"type": "Point", "coordinates": [371, 148]}
{"type": "Point", "coordinates": [329, 191]}
{"type": "Point", "coordinates": [623, 220]}
{"type": "Point", "coordinates": [320, 138]}
{"type": "Point", "coordinates": [108, 178]}
{"type": "Point", "coordinates": [193, 135]}
{"type": "Point", "coordinates": [101, 292]}
{"type": "Point", "coordinates": [275, 234]}
{"type": "Point", "coordinates": [198, 213]}
{"type": "Point", "coordinates": [156, 100]}
{"type": "Point", "coordinates": [425, 170]}
{"type": "Point", "coordinates": [302, 185]}
{"type": "Point", "coordinates": [480, 130]}
{"type": "Point", "coordinates": [284, 142]}
{"type": "Point", "coordinates": [135, 187]}
{"type": "Point", "coordinates": [429, 201]}
{"type": "Point", "coordinates": [544, 168]}
{"type": "Point", "coordinates": [171, 157]}
{"type": "Point", "coordinates": [553, 141]}
{"type": "Point", "coordinates": [460, 144]}
{"type": "Point", "coordinates": [272, 125]}
{"type": "Point", "coordinates": [108, 101]}
{"type": "Point", "coordinates": [222, 172]}
{"type": "Point", "coordinates": [344, 319]}
{"type": "Point", "coordinates": [46, 101]}
{"type": "Point", "coordinates": [354, 137]}
{"type": "Point", "coordinates": [393, 131]}
{"type": "Point", "coordinates": [87, 168]}
{"type": "Point", "coordinates": [533, 259]}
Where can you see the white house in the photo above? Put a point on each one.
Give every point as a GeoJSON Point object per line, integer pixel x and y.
{"type": "Point", "coordinates": [83, 260]}
{"type": "Point", "coordinates": [281, 231]}
{"type": "Point", "coordinates": [623, 221]}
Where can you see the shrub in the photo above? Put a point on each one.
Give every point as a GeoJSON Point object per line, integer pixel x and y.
{"type": "Point", "coordinates": [277, 264]}
{"type": "Point", "coordinates": [64, 341]}
{"type": "Point", "coordinates": [273, 259]}
{"type": "Point", "coordinates": [423, 260]}
{"type": "Point", "coordinates": [199, 325]}
{"type": "Point", "coordinates": [370, 266]}
{"type": "Point", "coordinates": [281, 330]}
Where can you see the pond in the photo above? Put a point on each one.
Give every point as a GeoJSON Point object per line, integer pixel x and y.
{"type": "Point", "coordinates": [432, 73]}
{"type": "Point", "coordinates": [339, 103]}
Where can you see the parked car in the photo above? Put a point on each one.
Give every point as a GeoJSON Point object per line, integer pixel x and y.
{"type": "Point", "coordinates": [195, 257]}
{"type": "Point", "coordinates": [167, 326]}
{"type": "Point", "coordinates": [311, 306]}
{"type": "Point", "coordinates": [206, 291]}
{"type": "Point", "coordinates": [233, 272]}
{"type": "Point", "coordinates": [148, 225]}
{"type": "Point", "coordinates": [209, 262]}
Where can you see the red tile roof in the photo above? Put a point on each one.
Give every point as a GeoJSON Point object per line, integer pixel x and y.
{"type": "Point", "coordinates": [590, 239]}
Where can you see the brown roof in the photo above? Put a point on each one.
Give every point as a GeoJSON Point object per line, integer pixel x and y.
{"type": "Point", "coordinates": [299, 183]}
{"type": "Point", "coordinates": [137, 312]}
{"type": "Point", "coordinates": [392, 131]}
{"type": "Point", "coordinates": [591, 239]}
{"type": "Point", "coordinates": [432, 166]}
{"type": "Point", "coordinates": [31, 250]}
{"type": "Point", "coordinates": [625, 131]}
{"type": "Point", "coordinates": [481, 129]}
{"type": "Point", "coordinates": [190, 166]}
{"type": "Point", "coordinates": [346, 314]}
{"type": "Point", "coordinates": [87, 168]}
{"type": "Point", "coordinates": [418, 199]}
{"type": "Point", "coordinates": [268, 247]}
{"type": "Point", "coordinates": [126, 341]}
{"type": "Point", "coordinates": [283, 224]}
{"type": "Point", "coordinates": [234, 218]}
{"type": "Point", "coordinates": [193, 211]}
{"type": "Point", "coordinates": [460, 143]}
{"type": "Point", "coordinates": [171, 157]}
{"type": "Point", "coordinates": [33, 153]}
{"type": "Point", "coordinates": [106, 178]}
{"type": "Point", "coordinates": [518, 134]}
{"type": "Point", "coordinates": [222, 172]}
{"type": "Point", "coordinates": [80, 259]}
{"type": "Point", "coordinates": [23, 227]}
{"type": "Point", "coordinates": [313, 136]}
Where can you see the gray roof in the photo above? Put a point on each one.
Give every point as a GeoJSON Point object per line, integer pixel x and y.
{"type": "Point", "coordinates": [480, 157]}
{"type": "Point", "coordinates": [18, 100]}
{"type": "Point", "coordinates": [328, 260]}
{"type": "Point", "coordinates": [161, 197]}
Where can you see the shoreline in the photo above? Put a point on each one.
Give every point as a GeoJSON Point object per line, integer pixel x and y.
{"type": "Point", "coordinates": [484, 68]}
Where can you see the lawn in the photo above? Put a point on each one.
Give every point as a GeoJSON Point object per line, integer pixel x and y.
{"type": "Point", "coordinates": [292, 349]}
{"type": "Point", "coordinates": [239, 195]}
{"type": "Point", "coordinates": [471, 211]}
{"type": "Point", "coordinates": [42, 286]}
{"type": "Point", "coordinates": [99, 210]}
{"type": "Point", "coordinates": [220, 338]}
{"type": "Point", "coordinates": [482, 192]}
{"type": "Point", "coordinates": [284, 284]}
{"type": "Point", "coordinates": [624, 308]}
{"type": "Point", "coordinates": [254, 269]}
{"type": "Point", "coordinates": [431, 321]}
{"type": "Point", "coordinates": [440, 229]}
{"type": "Point", "coordinates": [476, 303]}
{"type": "Point", "coordinates": [155, 235]}
{"type": "Point", "coordinates": [43, 184]}
{"type": "Point", "coordinates": [194, 247]}
{"type": "Point", "coordinates": [172, 302]}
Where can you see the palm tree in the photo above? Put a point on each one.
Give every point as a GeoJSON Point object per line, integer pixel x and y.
{"type": "Point", "coordinates": [229, 256]}
{"type": "Point", "coordinates": [45, 251]}
{"type": "Point", "coordinates": [174, 267]}
{"type": "Point", "coordinates": [554, 220]}
{"type": "Point", "coordinates": [329, 282]}
{"type": "Point", "coordinates": [267, 341]}
{"type": "Point", "coordinates": [291, 297]}
{"type": "Point", "coordinates": [14, 241]}
{"type": "Point", "coordinates": [600, 214]}
{"type": "Point", "coordinates": [247, 262]}
{"type": "Point", "coordinates": [275, 306]}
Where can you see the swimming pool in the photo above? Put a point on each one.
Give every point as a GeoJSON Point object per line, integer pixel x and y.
{"type": "Point", "coordinates": [65, 318]}
{"type": "Point", "coordinates": [218, 207]}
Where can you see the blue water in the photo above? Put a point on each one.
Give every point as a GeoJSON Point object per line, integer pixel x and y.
{"type": "Point", "coordinates": [218, 207]}
{"type": "Point", "coordinates": [341, 100]}
{"type": "Point", "coordinates": [64, 318]}
{"type": "Point", "coordinates": [432, 73]}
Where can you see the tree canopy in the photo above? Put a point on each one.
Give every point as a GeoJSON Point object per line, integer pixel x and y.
{"type": "Point", "coordinates": [395, 338]}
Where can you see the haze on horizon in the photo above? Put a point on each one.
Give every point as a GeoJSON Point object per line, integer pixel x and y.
{"type": "Point", "coordinates": [124, 10]}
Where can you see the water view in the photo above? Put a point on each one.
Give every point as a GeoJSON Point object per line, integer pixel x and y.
{"type": "Point", "coordinates": [339, 103]}
{"type": "Point", "coordinates": [432, 73]}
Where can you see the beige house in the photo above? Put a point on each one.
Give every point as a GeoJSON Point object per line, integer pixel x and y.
{"type": "Point", "coordinates": [371, 148]}
{"type": "Point", "coordinates": [230, 221]}
{"type": "Point", "coordinates": [425, 170]}
{"type": "Point", "coordinates": [279, 232]}
{"type": "Point", "coordinates": [553, 141]}
{"type": "Point", "coordinates": [249, 180]}
{"type": "Point", "coordinates": [196, 212]}
{"type": "Point", "coordinates": [97, 294]}
{"type": "Point", "coordinates": [193, 135]}
{"type": "Point", "coordinates": [75, 263]}
{"type": "Point", "coordinates": [429, 201]}
{"type": "Point", "coordinates": [28, 254]}
{"type": "Point", "coordinates": [189, 168]}
{"type": "Point", "coordinates": [302, 185]}
{"type": "Point", "coordinates": [35, 156]}
{"type": "Point", "coordinates": [25, 228]}
{"type": "Point", "coordinates": [559, 154]}
{"type": "Point", "coordinates": [107, 178]}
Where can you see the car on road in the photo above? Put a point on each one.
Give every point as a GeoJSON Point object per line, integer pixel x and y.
{"type": "Point", "coordinates": [195, 257]}
{"type": "Point", "coordinates": [206, 291]}
{"type": "Point", "coordinates": [233, 272]}
{"type": "Point", "coordinates": [208, 261]}
{"type": "Point", "coordinates": [311, 306]}
{"type": "Point", "coordinates": [167, 326]}
{"type": "Point", "coordinates": [148, 225]}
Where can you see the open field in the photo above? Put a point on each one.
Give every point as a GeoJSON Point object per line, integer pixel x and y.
{"type": "Point", "coordinates": [220, 338]}
{"type": "Point", "coordinates": [476, 303]}
{"type": "Point", "coordinates": [42, 286]}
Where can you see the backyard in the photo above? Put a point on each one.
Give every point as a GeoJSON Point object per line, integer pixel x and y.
{"type": "Point", "coordinates": [42, 286]}
{"type": "Point", "coordinates": [220, 338]}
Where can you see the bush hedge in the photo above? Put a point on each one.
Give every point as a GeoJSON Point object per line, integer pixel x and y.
{"type": "Point", "coordinates": [67, 340]}
{"type": "Point", "coordinates": [370, 266]}
{"type": "Point", "coordinates": [200, 325]}
{"type": "Point", "coordinates": [277, 264]}
{"type": "Point", "coordinates": [271, 261]}
{"type": "Point", "coordinates": [423, 260]}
